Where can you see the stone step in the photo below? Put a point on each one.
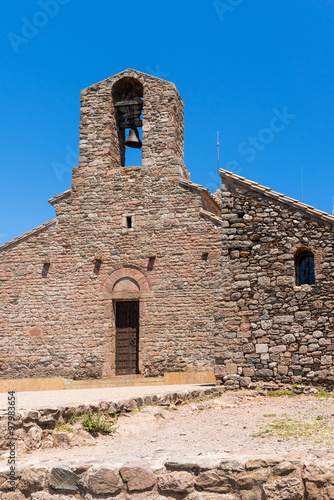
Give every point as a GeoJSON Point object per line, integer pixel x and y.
{"type": "Point", "coordinates": [52, 384]}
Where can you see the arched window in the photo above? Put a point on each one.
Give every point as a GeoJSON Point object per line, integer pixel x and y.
{"type": "Point", "coordinates": [304, 265]}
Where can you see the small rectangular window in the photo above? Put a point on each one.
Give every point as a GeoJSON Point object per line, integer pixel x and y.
{"type": "Point", "coordinates": [151, 261]}
{"type": "Point", "coordinates": [45, 270]}
{"type": "Point", "coordinates": [128, 223]}
{"type": "Point", "coordinates": [97, 266]}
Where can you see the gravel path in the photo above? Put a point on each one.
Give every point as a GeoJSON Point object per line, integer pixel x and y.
{"type": "Point", "coordinates": [234, 424]}
{"type": "Point", "coordinates": [49, 399]}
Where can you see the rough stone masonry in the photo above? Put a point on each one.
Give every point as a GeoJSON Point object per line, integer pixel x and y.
{"type": "Point", "coordinates": [214, 276]}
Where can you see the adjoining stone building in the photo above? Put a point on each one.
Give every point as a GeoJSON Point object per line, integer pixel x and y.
{"type": "Point", "coordinates": [275, 317]}
{"type": "Point", "coordinates": [144, 272]}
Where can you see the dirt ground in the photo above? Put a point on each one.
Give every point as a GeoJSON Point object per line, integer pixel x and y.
{"type": "Point", "coordinates": [243, 423]}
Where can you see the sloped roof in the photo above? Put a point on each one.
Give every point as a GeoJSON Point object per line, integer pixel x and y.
{"type": "Point", "coordinates": [24, 236]}
{"type": "Point", "coordinates": [60, 197]}
{"type": "Point", "coordinates": [202, 189]}
{"type": "Point", "coordinates": [134, 73]}
{"type": "Point", "coordinates": [255, 186]}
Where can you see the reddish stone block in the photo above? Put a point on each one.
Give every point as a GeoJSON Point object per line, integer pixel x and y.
{"type": "Point", "coordinates": [35, 332]}
{"type": "Point", "coordinates": [231, 369]}
{"type": "Point", "coordinates": [248, 371]}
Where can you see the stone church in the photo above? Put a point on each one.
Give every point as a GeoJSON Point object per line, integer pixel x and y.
{"type": "Point", "coordinates": [145, 274]}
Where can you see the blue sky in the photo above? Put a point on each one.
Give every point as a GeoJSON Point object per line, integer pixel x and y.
{"type": "Point", "coordinates": [260, 72]}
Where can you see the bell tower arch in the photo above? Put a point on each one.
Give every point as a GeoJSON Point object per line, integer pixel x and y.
{"type": "Point", "coordinates": [127, 96]}
{"type": "Point", "coordinates": [131, 100]}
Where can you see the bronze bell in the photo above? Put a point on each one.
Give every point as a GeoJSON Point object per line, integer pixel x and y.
{"type": "Point", "coordinates": [133, 140]}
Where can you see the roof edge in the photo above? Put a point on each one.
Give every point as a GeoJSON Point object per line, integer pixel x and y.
{"type": "Point", "coordinates": [59, 197]}
{"type": "Point", "coordinates": [211, 216]}
{"type": "Point", "coordinates": [24, 236]}
{"type": "Point", "coordinates": [124, 73]}
{"type": "Point", "coordinates": [199, 188]}
{"type": "Point", "coordinates": [255, 186]}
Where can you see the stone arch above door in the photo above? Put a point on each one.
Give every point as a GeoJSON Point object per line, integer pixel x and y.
{"type": "Point", "coordinates": [127, 283]}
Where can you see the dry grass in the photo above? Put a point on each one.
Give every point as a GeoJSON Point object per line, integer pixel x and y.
{"type": "Point", "coordinates": [318, 430]}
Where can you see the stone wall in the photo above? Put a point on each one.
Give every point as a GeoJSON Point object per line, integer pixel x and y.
{"type": "Point", "coordinates": [262, 478]}
{"type": "Point", "coordinates": [269, 327]}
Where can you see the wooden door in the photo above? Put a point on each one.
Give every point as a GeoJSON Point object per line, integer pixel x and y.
{"type": "Point", "coordinates": [127, 337]}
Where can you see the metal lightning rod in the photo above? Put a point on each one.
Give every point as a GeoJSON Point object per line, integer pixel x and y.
{"type": "Point", "coordinates": [302, 179]}
{"type": "Point", "coordinates": [218, 159]}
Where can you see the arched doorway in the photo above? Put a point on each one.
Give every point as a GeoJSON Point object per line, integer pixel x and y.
{"type": "Point", "coordinates": [127, 337]}
{"type": "Point", "coordinates": [126, 326]}
{"type": "Point", "coordinates": [126, 292]}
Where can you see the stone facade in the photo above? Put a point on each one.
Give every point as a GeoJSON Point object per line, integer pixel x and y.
{"type": "Point", "coordinates": [59, 283]}
{"type": "Point", "coordinates": [214, 275]}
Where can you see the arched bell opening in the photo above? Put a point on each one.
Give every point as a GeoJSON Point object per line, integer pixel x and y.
{"type": "Point", "coordinates": [127, 97]}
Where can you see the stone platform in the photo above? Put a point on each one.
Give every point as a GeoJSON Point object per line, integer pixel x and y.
{"type": "Point", "coordinates": [61, 384]}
